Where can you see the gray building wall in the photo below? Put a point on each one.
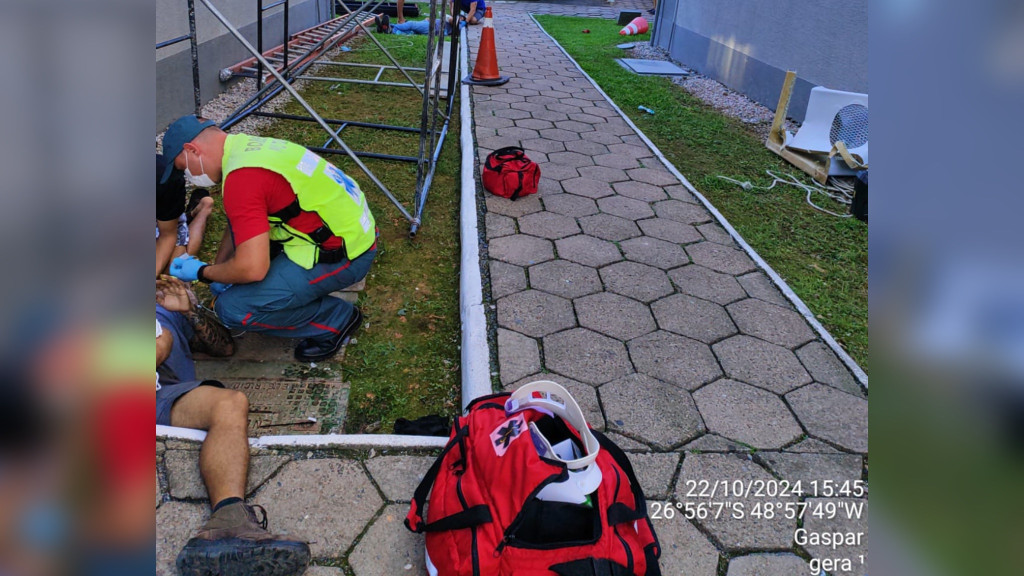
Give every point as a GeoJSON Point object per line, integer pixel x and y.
{"type": "Point", "coordinates": [749, 44]}
{"type": "Point", "coordinates": [217, 47]}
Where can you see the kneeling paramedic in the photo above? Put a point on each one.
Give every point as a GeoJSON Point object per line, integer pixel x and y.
{"type": "Point", "coordinates": [298, 229]}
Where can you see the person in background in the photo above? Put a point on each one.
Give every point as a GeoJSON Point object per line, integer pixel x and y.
{"type": "Point", "coordinates": [474, 10]}
{"type": "Point", "coordinates": [179, 228]}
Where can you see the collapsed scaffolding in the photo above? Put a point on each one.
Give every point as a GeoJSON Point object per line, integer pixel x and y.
{"type": "Point", "coordinates": [275, 73]}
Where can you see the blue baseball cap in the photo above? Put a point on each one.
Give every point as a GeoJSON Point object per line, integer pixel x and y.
{"type": "Point", "coordinates": [182, 130]}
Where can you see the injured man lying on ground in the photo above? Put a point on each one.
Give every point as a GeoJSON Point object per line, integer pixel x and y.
{"type": "Point", "coordinates": [384, 26]}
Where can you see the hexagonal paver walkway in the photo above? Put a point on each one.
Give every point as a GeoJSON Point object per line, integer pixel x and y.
{"type": "Point", "coordinates": [616, 280]}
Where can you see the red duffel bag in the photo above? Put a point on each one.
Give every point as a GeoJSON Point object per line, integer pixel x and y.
{"type": "Point", "coordinates": [509, 173]}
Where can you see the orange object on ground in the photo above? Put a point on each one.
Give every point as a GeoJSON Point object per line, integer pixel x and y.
{"type": "Point", "coordinates": [485, 72]}
{"type": "Point", "coordinates": [637, 26]}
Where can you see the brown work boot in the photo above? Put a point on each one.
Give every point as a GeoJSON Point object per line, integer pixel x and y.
{"type": "Point", "coordinates": [234, 543]}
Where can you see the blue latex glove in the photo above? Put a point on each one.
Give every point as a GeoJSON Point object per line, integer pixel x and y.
{"type": "Point", "coordinates": [219, 288]}
{"type": "Point", "coordinates": [186, 267]}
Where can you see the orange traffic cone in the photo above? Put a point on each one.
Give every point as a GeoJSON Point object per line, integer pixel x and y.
{"type": "Point", "coordinates": [637, 26]}
{"type": "Point", "coordinates": [485, 72]}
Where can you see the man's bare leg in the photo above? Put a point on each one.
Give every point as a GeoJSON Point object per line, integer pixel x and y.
{"type": "Point", "coordinates": [224, 457]}
{"type": "Point", "coordinates": [401, 11]}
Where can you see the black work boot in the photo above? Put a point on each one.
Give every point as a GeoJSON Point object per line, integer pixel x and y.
{"type": "Point", "coordinates": [317, 349]}
{"type": "Point", "coordinates": [234, 543]}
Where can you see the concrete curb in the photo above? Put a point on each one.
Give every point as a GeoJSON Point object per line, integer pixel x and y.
{"type": "Point", "coordinates": [850, 363]}
{"type": "Point", "coordinates": [476, 363]}
{"type": "Point", "coordinates": [315, 440]}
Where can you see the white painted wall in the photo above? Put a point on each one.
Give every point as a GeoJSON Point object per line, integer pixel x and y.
{"type": "Point", "coordinates": [825, 41]}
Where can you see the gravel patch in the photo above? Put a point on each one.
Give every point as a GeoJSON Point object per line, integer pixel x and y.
{"type": "Point", "coordinates": [715, 94]}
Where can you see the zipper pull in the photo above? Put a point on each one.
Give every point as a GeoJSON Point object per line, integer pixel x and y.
{"type": "Point", "coordinates": [501, 545]}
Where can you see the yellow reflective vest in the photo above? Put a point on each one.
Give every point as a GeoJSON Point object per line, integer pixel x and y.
{"type": "Point", "coordinates": [319, 187]}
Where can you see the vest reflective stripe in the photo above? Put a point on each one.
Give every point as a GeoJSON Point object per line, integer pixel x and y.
{"type": "Point", "coordinates": [319, 186]}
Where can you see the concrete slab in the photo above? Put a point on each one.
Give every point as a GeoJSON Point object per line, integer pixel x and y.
{"type": "Point", "coordinates": [684, 550]}
{"type": "Point", "coordinates": [692, 317]}
{"type": "Point", "coordinates": [498, 225]}
{"type": "Point", "coordinates": [767, 565]}
{"type": "Point", "coordinates": [655, 470]}
{"type": "Point", "coordinates": [808, 468]}
{"type": "Point", "coordinates": [625, 207]}
{"type": "Point", "coordinates": [535, 313]}
{"type": "Point", "coordinates": [586, 356]}
{"type": "Point", "coordinates": [720, 258]}
{"type": "Point", "coordinates": [587, 187]}
{"type": "Point", "coordinates": [548, 225]}
{"type": "Point", "coordinates": [771, 323]}
{"type": "Point", "coordinates": [707, 284]}
{"type": "Point", "coordinates": [637, 281]}
{"type": "Point", "coordinates": [735, 534]}
{"type": "Point", "coordinates": [823, 365]}
{"type": "Point", "coordinates": [565, 279]}
{"type": "Point", "coordinates": [636, 190]}
{"type": "Point", "coordinates": [587, 250]}
{"type": "Point", "coordinates": [388, 548]}
{"type": "Point", "coordinates": [185, 482]}
{"type": "Point", "coordinates": [518, 356]}
{"type": "Point", "coordinates": [520, 249]}
{"type": "Point", "coordinates": [326, 502]}
{"type": "Point", "coordinates": [832, 415]}
{"type": "Point", "coordinates": [654, 252]}
{"type": "Point", "coordinates": [662, 415]}
{"type": "Point", "coordinates": [746, 414]}
{"type": "Point", "coordinates": [677, 360]}
{"type": "Point", "coordinates": [762, 364]}
{"type": "Point", "coordinates": [176, 522]}
{"type": "Point", "coordinates": [570, 205]}
{"type": "Point", "coordinates": [682, 212]}
{"type": "Point", "coordinates": [609, 227]}
{"type": "Point", "coordinates": [506, 279]}
{"type": "Point", "coordinates": [614, 315]}
{"type": "Point", "coordinates": [398, 476]}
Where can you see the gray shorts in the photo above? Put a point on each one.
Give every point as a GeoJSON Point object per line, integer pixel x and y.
{"type": "Point", "coordinates": [168, 394]}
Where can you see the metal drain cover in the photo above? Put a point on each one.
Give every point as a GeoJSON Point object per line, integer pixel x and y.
{"type": "Point", "coordinates": [651, 67]}
{"type": "Point", "coordinates": [284, 406]}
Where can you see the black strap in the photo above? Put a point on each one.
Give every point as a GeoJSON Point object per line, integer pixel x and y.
{"type": "Point", "coordinates": [508, 153]}
{"type": "Point", "coordinates": [591, 567]}
{"type": "Point", "coordinates": [651, 553]}
{"type": "Point", "coordinates": [331, 256]}
{"type": "Point", "coordinates": [419, 498]}
{"type": "Point", "coordinates": [321, 235]}
{"type": "Point", "coordinates": [519, 189]}
{"type": "Point", "coordinates": [288, 212]}
{"type": "Point", "coordinates": [318, 236]}
{"type": "Point", "coordinates": [468, 518]}
{"type": "Point", "coordinates": [618, 512]}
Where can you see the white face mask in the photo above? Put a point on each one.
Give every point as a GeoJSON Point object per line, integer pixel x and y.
{"type": "Point", "coordinates": [200, 181]}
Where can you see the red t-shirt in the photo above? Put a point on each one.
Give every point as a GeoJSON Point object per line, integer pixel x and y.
{"type": "Point", "coordinates": [251, 194]}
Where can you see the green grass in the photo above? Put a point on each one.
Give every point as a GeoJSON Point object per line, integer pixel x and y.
{"type": "Point", "coordinates": [406, 362]}
{"type": "Point", "coordinates": [824, 259]}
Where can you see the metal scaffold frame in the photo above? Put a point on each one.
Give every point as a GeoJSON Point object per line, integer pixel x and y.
{"type": "Point", "coordinates": [434, 118]}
